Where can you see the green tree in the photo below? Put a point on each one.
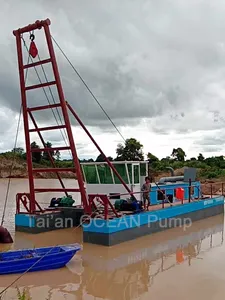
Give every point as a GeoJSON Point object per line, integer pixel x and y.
{"type": "Point", "coordinates": [152, 158]}
{"type": "Point", "coordinates": [53, 154]}
{"type": "Point", "coordinates": [101, 158]}
{"type": "Point", "coordinates": [86, 160]}
{"type": "Point", "coordinates": [18, 150]}
{"type": "Point", "coordinates": [167, 159]}
{"type": "Point", "coordinates": [201, 157]}
{"type": "Point", "coordinates": [178, 154]}
{"type": "Point", "coordinates": [132, 150]}
{"type": "Point", "coordinates": [36, 156]}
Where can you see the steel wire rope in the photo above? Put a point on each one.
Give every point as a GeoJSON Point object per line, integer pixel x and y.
{"type": "Point", "coordinates": [34, 264]}
{"type": "Point", "coordinates": [53, 99]}
{"type": "Point", "coordinates": [14, 153]}
{"type": "Point", "coordinates": [45, 92]}
{"type": "Point", "coordinates": [89, 90]}
{"type": "Point", "coordinates": [5, 289]}
{"type": "Point", "coordinates": [87, 87]}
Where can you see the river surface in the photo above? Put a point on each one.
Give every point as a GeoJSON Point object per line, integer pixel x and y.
{"type": "Point", "coordinates": [174, 264]}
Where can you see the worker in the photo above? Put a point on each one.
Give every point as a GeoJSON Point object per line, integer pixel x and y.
{"type": "Point", "coordinates": [146, 188]}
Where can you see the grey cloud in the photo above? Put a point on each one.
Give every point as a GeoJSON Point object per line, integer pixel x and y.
{"type": "Point", "coordinates": [156, 60]}
{"type": "Point", "coordinates": [210, 149]}
{"type": "Point", "coordinates": [210, 141]}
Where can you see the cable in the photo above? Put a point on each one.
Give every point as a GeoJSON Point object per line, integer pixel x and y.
{"type": "Point", "coordinates": [44, 92]}
{"type": "Point", "coordinates": [14, 154]}
{"type": "Point", "coordinates": [85, 84]}
{"type": "Point", "coordinates": [24, 273]}
{"type": "Point", "coordinates": [91, 92]}
{"type": "Point", "coordinates": [50, 90]}
{"type": "Point", "coordinates": [11, 168]}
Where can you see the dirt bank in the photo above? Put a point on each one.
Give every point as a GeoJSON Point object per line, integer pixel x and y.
{"type": "Point", "coordinates": [19, 170]}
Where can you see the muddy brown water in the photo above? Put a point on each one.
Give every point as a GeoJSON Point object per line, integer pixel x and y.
{"type": "Point", "coordinates": [174, 264]}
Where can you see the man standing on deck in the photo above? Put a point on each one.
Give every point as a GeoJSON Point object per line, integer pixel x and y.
{"type": "Point", "coordinates": [146, 188]}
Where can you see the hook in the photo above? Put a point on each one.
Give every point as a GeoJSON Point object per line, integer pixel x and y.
{"type": "Point", "coordinates": [32, 37]}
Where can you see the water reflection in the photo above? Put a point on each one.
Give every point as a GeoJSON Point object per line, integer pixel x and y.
{"type": "Point", "coordinates": [126, 271]}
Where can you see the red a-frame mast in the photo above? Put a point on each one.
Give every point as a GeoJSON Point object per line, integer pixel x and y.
{"type": "Point", "coordinates": [87, 200]}
{"type": "Point", "coordinates": [27, 112]}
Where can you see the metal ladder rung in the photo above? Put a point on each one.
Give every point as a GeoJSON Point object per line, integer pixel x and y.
{"type": "Point", "coordinates": [41, 190]}
{"type": "Point", "coordinates": [47, 170]}
{"type": "Point", "coordinates": [41, 62]}
{"type": "Point", "coordinates": [42, 107]}
{"type": "Point", "coordinates": [46, 149]}
{"type": "Point", "coordinates": [47, 128]}
{"type": "Point", "coordinates": [36, 86]}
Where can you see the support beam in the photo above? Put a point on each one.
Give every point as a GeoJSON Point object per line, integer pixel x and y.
{"type": "Point", "coordinates": [43, 190]}
{"type": "Point", "coordinates": [66, 118]}
{"type": "Point", "coordinates": [25, 120]}
{"type": "Point", "coordinates": [48, 128]}
{"type": "Point", "coordinates": [37, 25]}
{"type": "Point", "coordinates": [49, 170]}
{"type": "Point", "coordinates": [41, 85]}
{"type": "Point", "coordinates": [37, 63]}
{"type": "Point", "coordinates": [43, 107]}
{"type": "Point", "coordinates": [49, 149]}
{"type": "Point", "coordinates": [99, 149]}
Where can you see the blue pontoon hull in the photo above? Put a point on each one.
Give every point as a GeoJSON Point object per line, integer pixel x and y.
{"type": "Point", "coordinates": [40, 259]}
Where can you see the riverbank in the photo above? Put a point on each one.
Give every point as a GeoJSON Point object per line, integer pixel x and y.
{"type": "Point", "coordinates": [17, 168]}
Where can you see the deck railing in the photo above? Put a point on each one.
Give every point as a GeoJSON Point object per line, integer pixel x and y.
{"type": "Point", "coordinates": [200, 195]}
{"type": "Point", "coordinates": [205, 191]}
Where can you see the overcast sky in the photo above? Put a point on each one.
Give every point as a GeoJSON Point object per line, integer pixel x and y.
{"type": "Point", "coordinates": [157, 68]}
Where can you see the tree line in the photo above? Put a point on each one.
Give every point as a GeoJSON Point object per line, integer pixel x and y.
{"type": "Point", "coordinates": [39, 156]}
{"type": "Point", "coordinates": [132, 150]}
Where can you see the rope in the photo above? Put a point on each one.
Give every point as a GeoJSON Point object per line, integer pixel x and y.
{"type": "Point", "coordinates": [85, 84]}
{"type": "Point", "coordinates": [14, 154]}
{"type": "Point", "coordinates": [50, 90]}
{"type": "Point", "coordinates": [45, 92]}
{"type": "Point", "coordinates": [24, 273]}
{"type": "Point", "coordinates": [11, 168]}
{"type": "Point", "coordinates": [89, 90]}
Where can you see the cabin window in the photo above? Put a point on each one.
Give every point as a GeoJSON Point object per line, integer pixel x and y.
{"type": "Point", "coordinates": [121, 169]}
{"type": "Point", "coordinates": [90, 173]}
{"type": "Point", "coordinates": [105, 174]}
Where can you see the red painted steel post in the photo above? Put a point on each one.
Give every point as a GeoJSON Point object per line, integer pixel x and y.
{"type": "Point", "coordinates": [26, 122]}
{"type": "Point", "coordinates": [66, 117]}
{"type": "Point", "coordinates": [99, 149]}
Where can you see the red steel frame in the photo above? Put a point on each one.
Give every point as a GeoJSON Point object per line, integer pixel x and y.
{"type": "Point", "coordinates": [88, 202]}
